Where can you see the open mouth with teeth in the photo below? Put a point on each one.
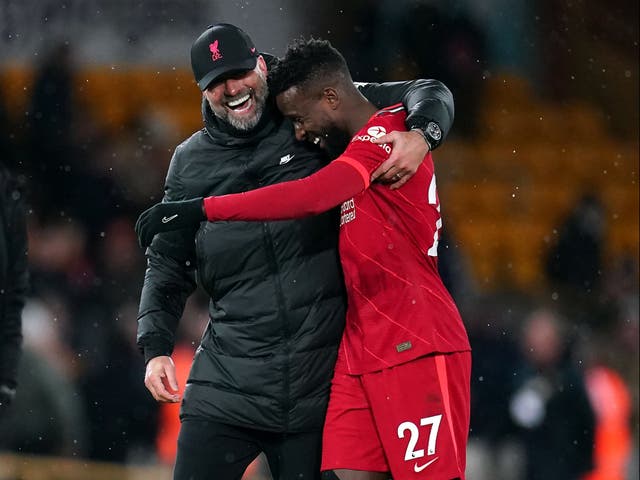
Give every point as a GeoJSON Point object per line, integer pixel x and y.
{"type": "Point", "coordinates": [240, 104]}
{"type": "Point", "coordinates": [317, 140]}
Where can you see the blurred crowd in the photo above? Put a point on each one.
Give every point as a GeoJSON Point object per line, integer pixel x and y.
{"type": "Point", "coordinates": [553, 372]}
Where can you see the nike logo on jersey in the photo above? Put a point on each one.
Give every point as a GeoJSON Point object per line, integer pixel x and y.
{"type": "Point", "coordinates": [168, 219]}
{"type": "Point", "coordinates": [418, 468]}
{"type": "Point", "coordinates": [286, 159]}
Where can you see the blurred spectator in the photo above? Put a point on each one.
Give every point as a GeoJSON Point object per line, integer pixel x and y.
{"type": "Point", "coordinates": [611, 400]}
{"type": "Point", "coordinates": [13, 282]}
{"type": "Point", "coordinates": [53, 165]}
{"type": "Point", "coordinates": [48, 414]}
{"type": "Point", "coordinates": [611, 374]}
{"type": "Point", "coordinates": [59, 259]}
{"type": "Point", "coordinates": [123, 426]}
{"type": "Point", "coordinates": [575, 261]}
{"type": "Point", "coordinates": [495, 362]}
{"type": "Point", "coordinates": [91, 344]}
{"type": "Point", "coordinates": [622, 352]}
{"type": "Point", "coordinates": [550, 408]}
{"type": "Point", "coordinates": [63, 140]}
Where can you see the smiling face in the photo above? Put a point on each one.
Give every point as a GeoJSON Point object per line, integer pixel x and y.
{"type": "Point", "coordinates": [239, 99]}
{"type": "Point", "coordinates": [315, 117]}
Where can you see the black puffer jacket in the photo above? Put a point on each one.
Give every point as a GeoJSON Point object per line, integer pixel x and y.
{"type": "Point", "coordinates": [277, 301]}
{"type": "Point", "coordinates": [13, 276]}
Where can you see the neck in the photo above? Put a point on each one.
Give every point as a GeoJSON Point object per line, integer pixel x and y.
{"type": "Point", "coordinates": [362, 110]}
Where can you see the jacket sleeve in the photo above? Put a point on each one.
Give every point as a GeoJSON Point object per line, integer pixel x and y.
{"type": "Point", "coordinates": [169, 280]}
{"type": "Point", "coordinates": [425, 100]}
{"type": "Point", "coordinates": [15, 291]}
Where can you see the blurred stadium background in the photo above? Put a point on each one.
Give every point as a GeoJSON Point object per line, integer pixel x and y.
{"type": "Point", "coordinates": [538, 181]}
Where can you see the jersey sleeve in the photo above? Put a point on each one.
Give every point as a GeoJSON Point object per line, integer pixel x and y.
{"type": "Point", "coordinates": [312, 195]}
{"type": "Point", "coordinates": [364, 155]}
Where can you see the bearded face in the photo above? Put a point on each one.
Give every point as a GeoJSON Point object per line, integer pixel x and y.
{"type": "Point", "coordinates": [240, 99]}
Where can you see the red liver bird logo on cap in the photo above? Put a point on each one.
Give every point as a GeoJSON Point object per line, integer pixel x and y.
{"type": "Point", "coordinates": [215, 52]}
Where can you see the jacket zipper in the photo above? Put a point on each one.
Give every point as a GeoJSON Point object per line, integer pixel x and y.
{"type": "Point", "coordinates": [282, 312]}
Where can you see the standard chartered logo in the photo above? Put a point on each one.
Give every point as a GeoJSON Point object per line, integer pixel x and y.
{"type": "Point", "coordinates": [347, 212]}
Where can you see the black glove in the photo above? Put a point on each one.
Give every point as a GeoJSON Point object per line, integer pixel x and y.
{"type": "Point", "coordinates": [168, 216]}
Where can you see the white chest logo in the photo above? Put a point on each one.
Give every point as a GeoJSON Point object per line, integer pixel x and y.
{"type": "Point", "coordinates": [376, 131]}
{"type": "Point", "coordinates": [287, 158]}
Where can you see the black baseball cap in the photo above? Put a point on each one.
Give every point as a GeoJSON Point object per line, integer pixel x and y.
{"type": "Point", "coordinates": [222, 48]}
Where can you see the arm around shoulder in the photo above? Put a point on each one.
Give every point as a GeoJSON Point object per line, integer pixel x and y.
{"type": "Point", "coordinates": [427, 101]}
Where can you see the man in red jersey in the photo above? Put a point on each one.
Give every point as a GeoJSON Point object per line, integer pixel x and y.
{"type": "Point", "coordinates": [399, 399]}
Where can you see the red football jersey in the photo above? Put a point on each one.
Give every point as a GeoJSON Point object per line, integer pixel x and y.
{"type": "Point", "coordinates": [398, 307]}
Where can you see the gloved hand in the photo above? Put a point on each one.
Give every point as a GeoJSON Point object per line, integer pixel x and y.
{"type": "Point", "coordinates": [168, 216]}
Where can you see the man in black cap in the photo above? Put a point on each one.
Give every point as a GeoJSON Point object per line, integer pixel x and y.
{"type": "Point", "coordinates": [261, 375]}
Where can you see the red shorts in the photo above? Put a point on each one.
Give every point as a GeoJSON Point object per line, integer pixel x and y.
{"type": "Point", "coordinates": [411, 420]}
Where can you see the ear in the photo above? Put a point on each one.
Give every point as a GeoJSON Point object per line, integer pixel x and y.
{"type": "Point", "coordinates": [331, 96]}
{"type": "Point", "coordinates": [262, 65]}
